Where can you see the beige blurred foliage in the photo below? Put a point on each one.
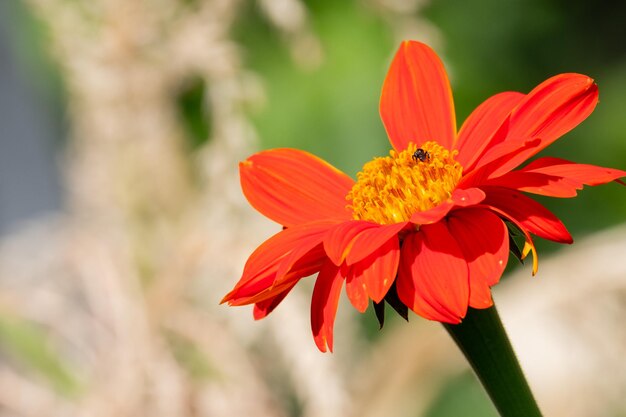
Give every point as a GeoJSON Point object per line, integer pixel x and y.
{"type": "Point", "coordinates": [125, 283]}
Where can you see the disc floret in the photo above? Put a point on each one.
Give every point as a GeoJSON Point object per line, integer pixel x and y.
{"type": "Point", "coordinates": [391, 189]}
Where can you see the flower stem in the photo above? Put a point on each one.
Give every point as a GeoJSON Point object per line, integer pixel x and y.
{"type": "Point", "coordinates": [483, 341]}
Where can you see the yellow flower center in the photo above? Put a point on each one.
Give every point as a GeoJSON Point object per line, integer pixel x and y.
{"type": "Point", "coordinates": [390, 189]}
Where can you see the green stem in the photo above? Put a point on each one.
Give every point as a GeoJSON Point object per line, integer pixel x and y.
{"type": "Point", "coordinates": [483, 341]}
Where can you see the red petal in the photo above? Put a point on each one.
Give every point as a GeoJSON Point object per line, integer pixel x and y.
{"type": "Point", "coordinates": [260, 271]}
{"type": "Point", "coordinates": [552, 109]}
{"type": "Point", "coordinates": [324, 304]}
{"type": "Point", "coordinates": [530, 214]}
{"type": "Point", "coordinates": [481, 126]}
{"type": "Point", "coordinates": [529, 246]}
{"type": "Point", "coordinates": [264, 286]}
{"type": "Point", "coordinates": [378, 270]}
{"type": "Point", "coordinates": [467, 197]}
{"type": "Point", "coordinates": [372, 239]}
{"type": "Point", "coordinates": [292, 187]}
{"type": "Point", "coordinates": [432, 215]}
{"type": "Point", "coordinates": [480, 294]}
{"type": "Point", "coordinates": [536, 183]}
{"type": "Point", "coordinates": [299, 251]}
{"type": "Point", "coordinates": [265, 307]}
{"type": "Point", "coordinates": [498, 156]}
{"type": "Point", "coordinates": [459, 198]}
{"type": "Point", "coordinates": [416, 102]}
{"type": "Point", "coordinates": [338, 241]}
{"type": "Point", "coordinates": [556, 177]}
{"type": "Point", "coordinates": [433, 278]}
{"type": "Point", "coordinates": [545, 162]}
{"type": "Point", "coordinates": [583, 173]}
{"type": "Point", "coordinates": [271, 252]}
{"type": "Point", "coordinates": [356, 291]}
{"type": "Point", "coordinates": [483, 239]}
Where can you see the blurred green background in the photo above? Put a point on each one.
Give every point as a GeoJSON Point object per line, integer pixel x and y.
{"type": "Point", "coordinates": [331, 109]}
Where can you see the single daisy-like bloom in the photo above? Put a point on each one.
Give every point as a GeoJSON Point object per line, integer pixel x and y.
{"type": "Point", "coordinates": [427, 224]}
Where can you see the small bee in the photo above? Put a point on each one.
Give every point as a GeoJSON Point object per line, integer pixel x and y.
{"type": "Point", "coordinates": [421, 155]}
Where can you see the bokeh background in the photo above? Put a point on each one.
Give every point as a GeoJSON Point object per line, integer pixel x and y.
{"type": "Point", "coordinates": [122, 223]}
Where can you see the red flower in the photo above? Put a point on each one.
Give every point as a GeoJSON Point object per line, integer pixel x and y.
{"type": "Point", "coordinates": [431, 215]}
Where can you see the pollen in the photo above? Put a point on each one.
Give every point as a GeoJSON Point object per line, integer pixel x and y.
{"type": "Point", "coordinates": [391, 189]}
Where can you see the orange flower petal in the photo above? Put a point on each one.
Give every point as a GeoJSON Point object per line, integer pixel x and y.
{"type": "Point", "coordinates": [271, 252]}
{"type": "Point", "coordinates": [338, 241]}
{"type": "Point", "coordinates": [324, 304]}
{"type": "Point", "coordinates": [537, 183]}
{"type": "Point", "coordinates": [529, 246]}
{"type": "Point", "coordinates": [264, 286]}
{"type": "Point", "coordinates": [583, 173]}
{"type": "Point", "coordinates": [379, 269]}
{"type": "Point", "coordinates": [293, 187]}
{"type": "Point", "coordinates": [498, 156]}
{"type": "Point", "coordinates": [480, 128]}
{"type": "Point", "coordinates": [434, 214]}
{"type": "Point", "coordinates": [480, 294]}
{"type": "Point", "coordinates": [552, 109]}
{"type": "Point", "coordinates": [483, 239]}
{"type": "Point", "coordinates": [433, 277]}
{"type": "Point", "coordinates": [265, 307]}
{"type": "Point", "coordinates": [299, 252]}
{"type": "Point", "coordinates": [416, 101]}
{"type": "Point", "coordinates": [259, 273]}
{"type": "Point", "coordinates": [460, 198]}
{"type": "Point", "coordinates": [356, 291]}
{"type": "Point", "coordinates": [530, 214]}
{"type": "Point", "coordinates": [370, 240]}
{"type": "Point", "coordinates": [556, 177]}
{"type": "Point", "coordinates": [467, 197]}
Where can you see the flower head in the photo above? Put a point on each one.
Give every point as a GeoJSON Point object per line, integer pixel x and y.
{"type": "Point", "coordinates": [427, 224]}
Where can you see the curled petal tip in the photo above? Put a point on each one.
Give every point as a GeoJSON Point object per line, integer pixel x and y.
{"type": "Point", "coordinates": [529, 247]}
{"type": "Point", "coordinates": [226, 298]}
{"type": "Point", "coordinates": [323, 344]}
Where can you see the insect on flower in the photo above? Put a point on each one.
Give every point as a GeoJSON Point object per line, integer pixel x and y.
{"type": "Point", "coordinates": [431, 236]}
{"type": "Point", "coordinates": [421, 155]}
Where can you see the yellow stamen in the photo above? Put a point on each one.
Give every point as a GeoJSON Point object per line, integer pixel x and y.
{"type": "Point", "coordinates": [390, 189]}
